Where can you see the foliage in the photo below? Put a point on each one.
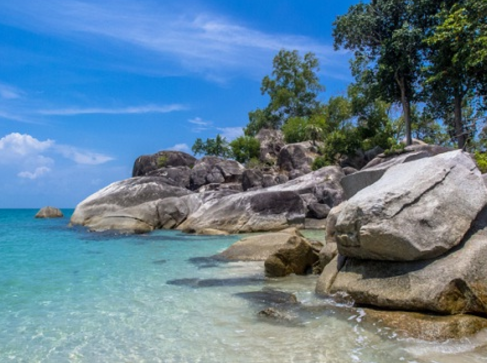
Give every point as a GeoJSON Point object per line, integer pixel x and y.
{"type": "Point", "coordinates": [245, 148]}
{"type": "Point", "coordinates": [293, 89]}
{"type": "Point", "coordinates": [162, 161]}
{"type": "Point", "coordinates": [481, 160]}
{"type": "Point", "coordinates": [214, 147]}
{"type": "Point", "coordinates": [387, 43]}
{"type": "Point", "coordinates": [294, 129]}
{"type": "Point", "coordinates": [456, 68]}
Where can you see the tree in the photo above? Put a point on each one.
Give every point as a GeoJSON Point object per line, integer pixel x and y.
{"type": "Point", "coordinates": [457, 61]}
{"type": "Point", "coordinates": [214, 147]}
{"type": "Point", "coordinates": [245, 148]}
{"type": "Point", "coordinates": [384, 37]}
{"type": "Point", "coordinates": [293, 89]}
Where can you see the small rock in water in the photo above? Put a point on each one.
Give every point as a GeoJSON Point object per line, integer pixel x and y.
{"type": "Point", "coordinates": [269, 297]}
{"type": "Point", "coordinates": [159, 262]}
{"type": "Point", "coordinates": [49, 212]}
{"type": "Point", "coordinates": [272, 313]}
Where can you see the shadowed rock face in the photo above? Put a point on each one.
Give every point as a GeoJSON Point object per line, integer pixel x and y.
{"type": "Point", "coordinates": [146, 164]}
{"type": "Point", "coordinates": [417, 210]}
{"type": "Point", "coordinates": [248, 212]}
{"type": "Point", "coordinates": [451, 284]}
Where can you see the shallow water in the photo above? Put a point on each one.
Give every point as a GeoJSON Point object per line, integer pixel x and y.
{"type": "Point", "coordinates": [72, 296]}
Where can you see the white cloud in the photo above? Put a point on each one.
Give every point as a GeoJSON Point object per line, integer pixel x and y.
{"type": "Point", "coordinates": [34, 175]}
{"type": "Point", "coordinates": [199, 41]}
{"type": "Point", "coordinates": [83, 157]}
{"type": "Point", "coordinates": [180, 147]}
{"type": "Point", "coordinates": [9, 93]}
{"type": "Point", "coordinates": [199, 121]}
{"type": "Point", "coordinates": [113, 111]}
{"type": "Point", "coordinates": [16, 144]}
{"type": "Point", "coordinates": [231, 133]}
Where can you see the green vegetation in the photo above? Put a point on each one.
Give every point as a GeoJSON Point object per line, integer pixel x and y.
{"type": "Point", "coordinates": [162, 161]}
{"type": "Point", "coordinates": [419, 68]}
{"type": "Point", "coordinates": [245, 148]}
{"type": "Point", "coordinates": [213, 147]}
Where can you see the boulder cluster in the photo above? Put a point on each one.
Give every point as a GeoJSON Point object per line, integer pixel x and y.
{"type": "Point", "coordinates": [172, 189]}
{"type": "Point", "coordinates": [407, 232]}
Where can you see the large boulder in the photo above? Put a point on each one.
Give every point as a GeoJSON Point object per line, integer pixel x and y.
{"type": "Point", "coordinates": [258, 248]}
{"type": "Point", "coordinates": [454, 283]}
{"type": "Point", "coordinates": [323, 184]}
{"type": "Point", "coordinates": [297, 156]}
{"type": "Point", "coordinates": [49, 212]}
{"type": "Point", "coordinates": [297, 256]}
{"type": "Point", "coordinates": [249, 212]}
{"type": "Point", "coordinates": [173, 211]}
{"type": "Point", "coordinates": [163, 159]}
{"type": "Point", "coordinates": [129, 205]}
{"type": "Point", "coordinates": [373, 171]}
{"type": "Point", "coordinates": [178, 176]}
{"type": "Point", "coordinates": [214, 170]}
{"type": "Point", "coordinates": [417, 210]}
{"type": "Point", "coordinates": [271, 143]}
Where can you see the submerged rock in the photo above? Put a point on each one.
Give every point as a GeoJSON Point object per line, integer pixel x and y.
{"type": "Point", "coordinates": [297, 256]}
{"type": "Point", "coordinates": [425, 326]}
{"type": "Point", "coordinates": [49, 212]}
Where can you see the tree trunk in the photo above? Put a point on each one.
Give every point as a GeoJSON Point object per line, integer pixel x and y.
{"type": "Point", "coordinates": [459, 132]}
{"type": "Point", "coordinates": [406, 108]}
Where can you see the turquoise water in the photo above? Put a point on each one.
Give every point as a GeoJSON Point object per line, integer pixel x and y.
{"type": "Point", "coordinates": [67, 295]}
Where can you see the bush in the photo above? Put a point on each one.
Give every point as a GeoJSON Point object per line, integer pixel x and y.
{"type": "Point", "coordinates": [162, 161]}
{"type": "Point", "coordinates": [481, 160]}
{"type": "Point", "coordinates": [245, 148]}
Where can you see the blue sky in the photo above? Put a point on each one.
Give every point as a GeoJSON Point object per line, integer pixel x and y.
{"type": "Point", "coordinates": [88, 86]}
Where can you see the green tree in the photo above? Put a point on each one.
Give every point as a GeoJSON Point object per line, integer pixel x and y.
{"type": "Point", "coordinates": [245, 148]}
{"type": "Point", "coordinates": [214, 147]}
{"type": "Point", "coordinates": [294, 130]}
{"type": "Point", "coordinates": [198, 147]}
{"type": "Point", "coordinates": [457, 62]}
{"type": "Point", "coordinates": [293, 89]}
{"type": "Point", "coordinates": [384, 36]}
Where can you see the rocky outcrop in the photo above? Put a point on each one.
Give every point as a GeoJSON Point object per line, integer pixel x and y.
{"type": "Point", "coordinates": [146, 164]}
{"type": "Point", "coordinates": [452, 284]}
{"type": "Point", "coordinates": [373, 171]}
{"type": "Point", "coordinates": [390, 270]}
{"type": "Point", "coordinates": [178, 176]}
{"type": "Point", "coordinates": [249, 212]}
{"type": "Point", "coordinates": [297, 256]}
{"type": "Point", "coordinates": [129, 206]}
{"type": "Point", "coordinates": [214, 170]}
{"type": "Point", "coordinates": [271, 143]}
{"type": "Point", "coordinates": [418, 210]}
{"type": "Point", "coordinates": [258, 248]}
{"type": "Point", "coordinates": [49, 212]}
{"type": "Point", "coordinates": [297, 157]}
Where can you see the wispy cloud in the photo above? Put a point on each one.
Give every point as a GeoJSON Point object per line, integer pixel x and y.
{"type": "Point", "coordinates": [230, 133]}
{"type": "Point", "coordinates": [114, 111]}
{"type": "Point", "coordinates": [9, 93]}
{"type": "Point", "coordinates": [201, 42]}
{"type": "Point", "coordinates": [17, 145]}
{"type": "Point", "coordinates": [81, 156]}
{"type": "Point", "coordinates": [199, 121]}
{"type": "Point", "coordinates": [40, 171]}
{"type": "Point", "coordinates": [180, 147]}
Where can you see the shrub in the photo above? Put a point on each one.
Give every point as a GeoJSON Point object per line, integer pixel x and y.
{"type": "Point", "coordinates": [481, 160]}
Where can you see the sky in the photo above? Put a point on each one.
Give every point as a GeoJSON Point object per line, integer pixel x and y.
{"type": "Point", "coordinates": [88, 86]}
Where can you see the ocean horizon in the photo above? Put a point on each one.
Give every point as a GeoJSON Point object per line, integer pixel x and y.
{"type": "Point", "coordinates": [69, 295]}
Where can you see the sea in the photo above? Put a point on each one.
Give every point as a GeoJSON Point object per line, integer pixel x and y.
{"type": "Point", "coordinates": [69, 295]}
